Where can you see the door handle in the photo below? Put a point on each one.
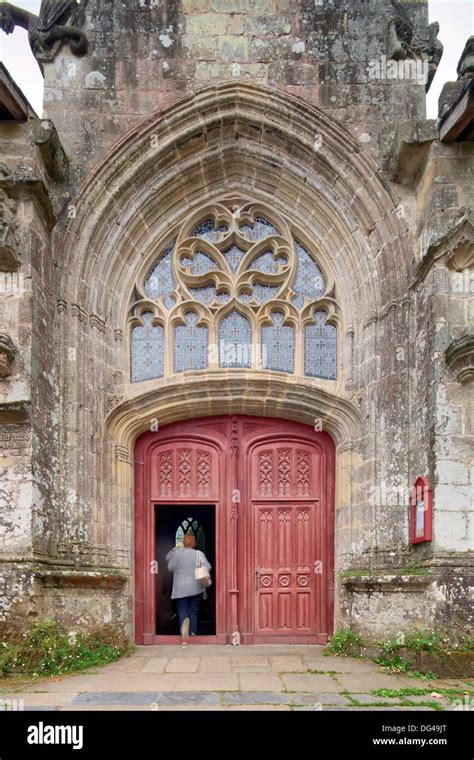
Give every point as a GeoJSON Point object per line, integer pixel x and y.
{"type": "Point", "coordinates": [257, 577]}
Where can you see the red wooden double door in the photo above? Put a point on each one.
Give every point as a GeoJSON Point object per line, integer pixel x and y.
{"type": "Point", "coordinates": [264, 491]}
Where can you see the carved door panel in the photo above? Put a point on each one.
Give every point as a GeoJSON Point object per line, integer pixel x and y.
{"type": "Point", "coordinates": [270, 485]}
{"type": "Point", "coordinates": [289, 549]}
{"type": "Point", "coordinates": [178, 468]}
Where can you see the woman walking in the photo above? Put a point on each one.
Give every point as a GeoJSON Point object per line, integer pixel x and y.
{"type": "Point", "coordinates": [187, 591]}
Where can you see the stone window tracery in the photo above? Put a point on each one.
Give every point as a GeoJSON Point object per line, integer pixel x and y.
{"type": "Point", "coordinates": [236, 288]}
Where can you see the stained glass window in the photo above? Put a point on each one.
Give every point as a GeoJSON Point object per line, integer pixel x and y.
{"type": "Point", "coordinates": [320, 348]}
{"type": "Point", "coordinates": [147, 349]}
{"type": "Point", "coordinates": [268, 263]}
{"type": "Point", "coordinates": [235, 341]}
{"type": "Point", "coordinates": [261, 229]}
{"type": "Point", "coordinates": [160, 281]}
{"type": "Point", "coordinates": [261, 293]}
{"type": "Point", "coordinates": [309, 280]}
{"type": "Point", "coordinates": [190, 344]}
{"type": "Point", "coordinates": [190, 525]}
{"type": "Point", "coordinates": [233, 256]}
{"type": "Point", "coordinates": [193, 272]}
{"type": "Point", "coordinates": [207, 294]}
{"type": "Point", "coordinates": [278, 345]}
{"type": "Point", "coordinates": [201, 263]}
{"type": "Point", "coordinates": [207, 230]}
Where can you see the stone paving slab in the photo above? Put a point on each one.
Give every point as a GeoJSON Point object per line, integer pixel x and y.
{"type": "Point", "coordinates": [288, 664]}
{"type": "Point", "coordinates": [255, 698]}
{"type": "Point", "coordinates": [107, 708]}
{"type": "Point", "coordinates": [154, 665]}
{"type": "Point", "coordinates": [127, 664]}
{"type": "Point", "coordinates": [33, 699]}
{"type": "Point", "coordinates": [198, 682]}
{"type": "Point", "coordinates": [256, 708]}
{"type": "Point", "coordinates": [188, 698]}
{"type": "Point", "coordinates": [341, 664]}
{"type": "Point", "coordinates": [371, 699]}
{"type": "Point", "coordinates": [308, 682]}
{"type": "Point", "coordinates": [321, 699]}
{"type": "Point", "coordinates": [260, 682]}
{"type": "Point", "coordinates": [353, 681]}
{"type": "Point", "coordinates": [182, 665]}
{"type": "Point", "coordinates": [201, 677]}
{"type": "Point", "coordinates": [215, 665]}
{"type": "Point", "coordinates": [250, 662]}
{"type": "Point", "coordinates": [115, 698]}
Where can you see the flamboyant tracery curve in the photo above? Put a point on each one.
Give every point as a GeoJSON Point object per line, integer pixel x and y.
{"type": "Point", "coordinates": [234, 289]}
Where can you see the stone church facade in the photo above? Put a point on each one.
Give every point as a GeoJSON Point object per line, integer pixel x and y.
{"type": "Point", "coordinates": [236, 275]}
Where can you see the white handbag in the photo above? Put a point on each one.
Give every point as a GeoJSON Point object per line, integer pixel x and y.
{"type": "Point", "coordinates": [201, 573]}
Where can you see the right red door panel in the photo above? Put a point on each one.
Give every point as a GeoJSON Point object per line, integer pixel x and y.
{"type": "Point", "coordinates": [291, 566]}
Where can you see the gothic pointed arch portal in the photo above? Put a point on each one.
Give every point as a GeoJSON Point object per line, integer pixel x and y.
{"type": "Point", "coordinates": [269, 484]}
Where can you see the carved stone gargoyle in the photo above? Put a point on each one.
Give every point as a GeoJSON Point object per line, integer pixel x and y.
{"type": "Point", "coordinates": [58, 20]}
{"type": "Point", "coordinates": [9, 244]}
{"type": "Point", "coordinates": [8, 353]}
{"type": "Point", "coordinates": [406, 40]}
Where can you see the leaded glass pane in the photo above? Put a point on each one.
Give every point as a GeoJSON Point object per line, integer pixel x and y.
{"type": "Point", "coordinates": [261, 229]}
{"type": "Point", "coordinates": [147, 350]}
{"type": "Point", "coordinates": [191, 526]}
{"type": "Point", "coordinates": [233, 256]}
{"type": "Point", "coordinates": [235, 341]}
{"type": "Point", "coordinates": [267, 263]}
{"type": "Point", "coordinates": [201, 263]}
{"type": "Point", "coordinates": [160, 282]}
{"type": "Point", "coordinates": [260, 293]}
{"type": "Point", "coordinates": [309, 280]}
{"type": "Point", "coordinates": [207, 230]}
{"type": "Point", "coordinates": [278, 345]}
{"type": "Point", "coordinates": [205, 295]}
{"type": "Point", "coordinates": [190, 344]}
{"type": "Point", "coordinates": [320, 348]}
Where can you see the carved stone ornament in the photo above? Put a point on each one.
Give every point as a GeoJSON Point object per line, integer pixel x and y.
{"type": "Point", "coordinates": [465, 69]}
{"type": "Point", "coordinates": [8, 353]}
{"type": "Point", "coordinates": [9, 244]}
{"type": "Point", "coordinates": [58, 20]}
{"type": "Point", "coordinates": [406, 40]}
{"type": "Point", "coordinates": [460, 358]}
{"type": "Point", "coordinates": [454, 247]}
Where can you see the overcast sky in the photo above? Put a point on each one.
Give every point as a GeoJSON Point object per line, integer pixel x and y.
{"type": "Point", "coordinates": [455, 18]}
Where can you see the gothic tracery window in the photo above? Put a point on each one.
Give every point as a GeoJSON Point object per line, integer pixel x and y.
{"type": "Point", "coordinates": [190, 344]}
{"type": "Point", "coordinates": [235, 341]}
{"type": "Point", "coordinates": [278, 344]}
{"type": "Point", "coordinates": [147, 349]}
{"type": "Point", "coordinates": [320, 348]}
{"type": "Point", "coordinates": [236, 288]}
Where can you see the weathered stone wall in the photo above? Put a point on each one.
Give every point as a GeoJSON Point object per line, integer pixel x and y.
{"type": "Point", "coordinates": [145, 55]}
{"type": "Point", "coordinates": [181, 103]}
{"type": "Point", "coordinates": [28, 401]}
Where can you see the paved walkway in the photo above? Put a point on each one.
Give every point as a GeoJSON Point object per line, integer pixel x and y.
{"type": "Point", "coordinates": [211, 677]}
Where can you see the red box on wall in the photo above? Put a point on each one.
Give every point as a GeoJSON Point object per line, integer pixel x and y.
{"type": "Point", "coordinates": [421, 511]}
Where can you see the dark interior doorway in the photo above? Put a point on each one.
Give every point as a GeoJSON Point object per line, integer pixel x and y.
{"type": "Point", "coordinates": [172, 522]}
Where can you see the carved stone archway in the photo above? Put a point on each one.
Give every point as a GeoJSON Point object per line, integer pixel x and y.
{"type": "Point", "coordinates": [205, 148]}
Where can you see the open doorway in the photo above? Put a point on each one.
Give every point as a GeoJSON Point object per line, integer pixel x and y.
{"type": "Point", "coordinates": [172, 522]}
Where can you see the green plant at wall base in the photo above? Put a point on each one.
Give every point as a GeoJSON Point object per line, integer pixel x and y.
{"type": "Point", "coordinates": [46, 650]}
{"type": "Point", "coordinates": [413, 568]}
{"type": "Point", "coordinates": [345, 643]}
